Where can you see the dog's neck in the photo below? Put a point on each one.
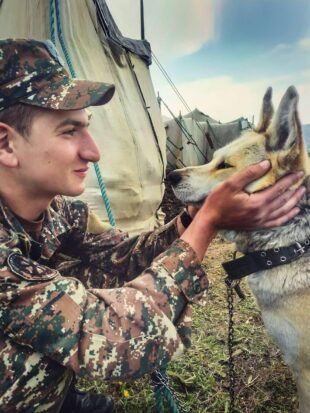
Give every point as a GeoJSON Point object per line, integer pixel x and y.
{"type": "Point", "coordinates": [298, 229]}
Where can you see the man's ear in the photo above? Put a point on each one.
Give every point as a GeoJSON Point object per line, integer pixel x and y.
{"type": "Point", "coordinates": [7, 154]}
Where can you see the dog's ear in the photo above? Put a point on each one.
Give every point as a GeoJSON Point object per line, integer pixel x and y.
{"type": "Point", "coordinates": [285, 129]}
{"type": "Point", "coordinates": [266, 112]}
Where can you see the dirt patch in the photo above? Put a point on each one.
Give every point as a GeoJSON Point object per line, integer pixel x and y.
{"type": "Point", "coordinates": [170, 205]}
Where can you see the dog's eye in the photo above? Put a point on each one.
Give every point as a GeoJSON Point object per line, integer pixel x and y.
{"type": "Point", "coordinates": [223, 165]}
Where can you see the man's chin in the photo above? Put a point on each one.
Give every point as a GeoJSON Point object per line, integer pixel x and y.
{"type": "Point", "coordinates": [73, 192]}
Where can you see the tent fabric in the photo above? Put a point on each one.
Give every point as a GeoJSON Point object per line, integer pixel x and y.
{"type": "Point", "coordinates": [132, 161]}
{"type": "Point", "coordinates": [187, 143]}
{"type": "Point", "coordinates": [141, 48]}
{"type": "Point", "coordinates": [193, 138]}
{"type": "Point", "coordinates": [190, 143]}
{"type": "Point", "coordinates": [199, 116]}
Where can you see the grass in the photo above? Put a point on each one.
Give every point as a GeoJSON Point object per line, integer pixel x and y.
{"type": "Point", "coordinates": [199, 377]}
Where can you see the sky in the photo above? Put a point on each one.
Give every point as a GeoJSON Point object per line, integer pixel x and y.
{"type": "Point", "coordinates": [223, 54]}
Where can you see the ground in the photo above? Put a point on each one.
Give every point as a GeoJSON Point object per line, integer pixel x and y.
{"type": "Point", "coordinates": [199, 378]}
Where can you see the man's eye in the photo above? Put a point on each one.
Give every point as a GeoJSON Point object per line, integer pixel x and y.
{"type": "Point", "coordinates": [224, 165]}
{"type": "Point", "coordinates": [70, 132]}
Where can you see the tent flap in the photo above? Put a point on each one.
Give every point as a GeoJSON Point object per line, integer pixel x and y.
{"type": "Point", "coordinates": [141, 48]}
{"type": "Point", "coordinates": [193, 138]}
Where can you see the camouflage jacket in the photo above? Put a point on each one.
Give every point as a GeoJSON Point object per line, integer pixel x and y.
{"type": "Point", "coordinates": [88, 300]}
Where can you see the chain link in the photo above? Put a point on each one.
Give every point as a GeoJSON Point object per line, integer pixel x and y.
{"type": "Point", "coordinates": [161, 380]}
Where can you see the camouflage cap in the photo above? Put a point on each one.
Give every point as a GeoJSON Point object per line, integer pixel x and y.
{"type": "Point", "coordinates": [31, 72]}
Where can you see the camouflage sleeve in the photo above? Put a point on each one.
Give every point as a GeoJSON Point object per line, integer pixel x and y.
{"type": "Point", "coordinates": [110, 250]}
{"type": "Point", "coordinates": [102, 333]}
{"type": "Point", "coordinates": [125, 257]}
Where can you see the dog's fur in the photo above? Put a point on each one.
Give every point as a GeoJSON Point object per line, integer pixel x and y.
{"type": "Point", "coordinates": [283, 293]}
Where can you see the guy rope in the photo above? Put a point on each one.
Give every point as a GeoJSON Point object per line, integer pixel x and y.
{"type": "Point", "coordinates": [54, 7]}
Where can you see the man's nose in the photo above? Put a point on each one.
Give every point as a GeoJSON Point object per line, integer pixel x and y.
{"type": "Point", "coordinates": [90, 151]}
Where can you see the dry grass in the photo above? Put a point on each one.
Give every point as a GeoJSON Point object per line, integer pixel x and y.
{"type": "Point", "coordinates": [264, 383]}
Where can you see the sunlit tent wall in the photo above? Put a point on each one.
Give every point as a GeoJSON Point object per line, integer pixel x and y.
{"type": "Point", "coordinates": [193, 138]}
{"type": "Point", "coordinates": [129, 130]}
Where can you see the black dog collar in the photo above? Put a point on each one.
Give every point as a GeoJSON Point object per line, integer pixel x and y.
{"type": "Point", "coordinates": [264, 260]}
{"type": "Point", "coordinates": [186, 219]}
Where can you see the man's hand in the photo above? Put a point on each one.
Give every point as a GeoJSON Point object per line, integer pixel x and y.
{"type": "Point", "coordinates": [229, 207]}
{"type": "Point", "coordinates": [232, 208]}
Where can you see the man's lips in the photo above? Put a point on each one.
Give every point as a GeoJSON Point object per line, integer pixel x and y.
{"type": "Point", "coordinates": [81, 171]}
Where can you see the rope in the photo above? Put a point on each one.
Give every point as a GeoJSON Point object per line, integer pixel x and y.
{"type": "Point", "coordinates": [178, 122]}
{"type": "Point", "coordinates": [104, 195]}
{"type": "Point", "coordinates": [52, 21]}
{"type": "Point", "coordinates": [54, 5]}
{"type": "Point", "coordinates": [158, 394]}
{"type": "Point", "coordinates": [183, 128]}
{"type": "Point", "coordinates": [177, 92]}
{"type": "Point", "coordinates": [162, 391]}
{"type": "Point", "coordinates": [173, 154]}
{"type": "Point", "coordinates": [176, 158]}
{"type": "Point", "coordinates": [170, 400]}
{"type": "Point", "coordinates": [62, 42]}
{"type": "Point", "coordinates": [169, 80]}
{"type": "Point", "coordinates": [174, 145]}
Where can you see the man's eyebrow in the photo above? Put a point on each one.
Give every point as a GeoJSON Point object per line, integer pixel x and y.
{"type": "Point", "coordinates": [73, 122]}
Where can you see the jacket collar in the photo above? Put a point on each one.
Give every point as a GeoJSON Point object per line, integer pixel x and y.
{"type": "Point", "coordinates": [54, 225]}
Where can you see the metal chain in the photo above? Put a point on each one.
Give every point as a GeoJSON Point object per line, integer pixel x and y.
{"type": "Point", "coordinates": [162, 380]}
{"type": "Point", "coordinates": [230, 343]}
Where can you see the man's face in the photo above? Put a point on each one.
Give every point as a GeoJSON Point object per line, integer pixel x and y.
{"type": "Point", "coordinates": [54, 158]}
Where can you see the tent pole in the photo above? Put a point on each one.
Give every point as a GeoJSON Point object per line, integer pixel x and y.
{"type": "Point", "coordinates": [142, 19]}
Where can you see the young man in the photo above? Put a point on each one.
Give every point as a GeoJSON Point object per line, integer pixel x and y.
{"type": "Point", "coordinates": [76, 297]}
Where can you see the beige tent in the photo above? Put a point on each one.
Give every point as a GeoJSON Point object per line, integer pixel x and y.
{"type": "Point", "coordinates": [129, 130]}
{"type": "Point", "coordinates": [193, 138]}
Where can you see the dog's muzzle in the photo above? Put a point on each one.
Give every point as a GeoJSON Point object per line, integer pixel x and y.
{"type": "Point", "coordinates": [173, 178]}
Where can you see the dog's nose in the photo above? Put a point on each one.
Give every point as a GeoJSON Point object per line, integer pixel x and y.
{"type": "Point", "coordinates": [173, 178]}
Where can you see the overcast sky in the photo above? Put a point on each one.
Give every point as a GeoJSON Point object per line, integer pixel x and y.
{"type": "Point", "coordinates": [223, 54]}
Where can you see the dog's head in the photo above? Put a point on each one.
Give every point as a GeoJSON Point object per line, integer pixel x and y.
{"type": "Point", "coordinates": [277, 138]}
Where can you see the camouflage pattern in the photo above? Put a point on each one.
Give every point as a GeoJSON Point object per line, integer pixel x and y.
{"type": "Point", "coordinates": [88, 300]}
{"type": "Point", "coordinates": [31, 72]}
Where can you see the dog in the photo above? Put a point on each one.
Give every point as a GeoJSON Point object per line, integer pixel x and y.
{"type": "Point", "coordinates": [282, 291]}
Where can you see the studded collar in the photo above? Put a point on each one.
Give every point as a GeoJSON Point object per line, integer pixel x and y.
{"type": "Point", "coordinates": [264, 260]}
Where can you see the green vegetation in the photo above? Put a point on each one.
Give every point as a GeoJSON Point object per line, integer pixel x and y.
{"type": "Point", "coordinates": [264, 383]}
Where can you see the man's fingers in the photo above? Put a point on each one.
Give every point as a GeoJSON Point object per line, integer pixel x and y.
{"type": "Point", "coordinates": [284, 203]}
{"type": "Point", "coordinates": [249, 174]}
{"type": "Point", "coordinates": [282, 220]}
{"type": "Point", "coordinates": [192, 210]}
{"type": "Point", "coordinates": [281, 186]}
{"type": "Point", "coordinates": [287, 211]}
